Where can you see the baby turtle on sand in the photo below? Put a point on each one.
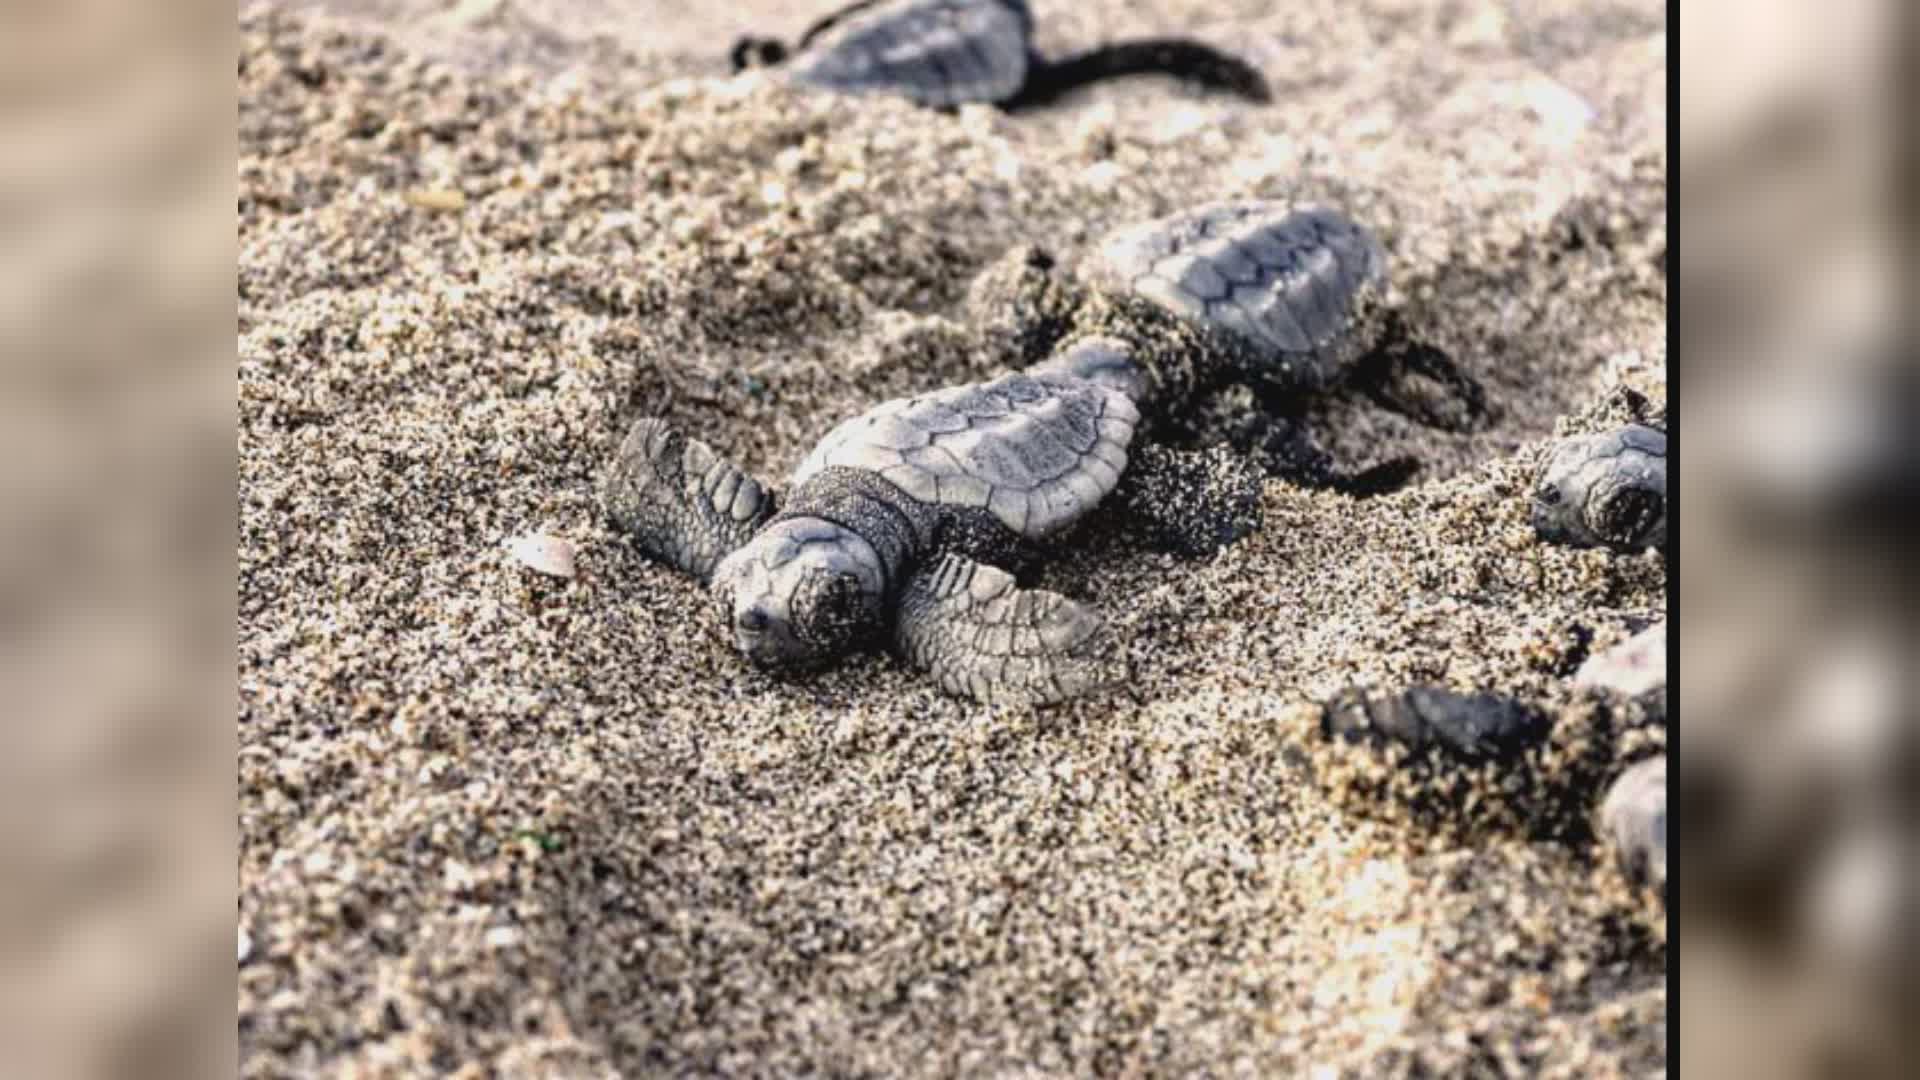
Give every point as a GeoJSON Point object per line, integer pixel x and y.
{"type": "Point", "coordinates": [1459, 763]}
{"type": "Point", "coordinates": [945, 53]}
{"type": "Point", "coordinates": [899, 525]}
{"type": "Point", "coordinates": [1463, 728]}
{"type": "Point", "coordinates": [1437, 738]}
{"type": "Point", "coordinates": [1256, 292]}
{"type": "Point", "coordinates": [1608, 489]}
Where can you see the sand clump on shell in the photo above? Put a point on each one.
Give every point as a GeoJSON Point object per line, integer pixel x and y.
{"type": "Point", "coordinates": [494, 818]}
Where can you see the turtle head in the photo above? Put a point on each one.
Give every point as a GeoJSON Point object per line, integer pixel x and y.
{"type": "Point", "coordinates": [1025, 302]}
{"type": "Point", "coordinates": [801, 593]}
{"type": "Point", "coordinates": [1608, 489]}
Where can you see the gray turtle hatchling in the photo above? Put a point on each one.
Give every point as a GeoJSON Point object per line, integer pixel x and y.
{"type": "Point", "coordinates": [1278, 298]}
{"type": "Point", "coordinates": [944, 53]}
{"type": "Point", "coordinates": [898, 526]}
{"type": "Point", "coordinates": [1257, 288]}
{"type": "Point", "coordinates": [1442, 730]}
{"type": "Point", "coordinates": [1608, 489]}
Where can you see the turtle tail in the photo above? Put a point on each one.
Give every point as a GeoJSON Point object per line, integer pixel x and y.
{"type": "Point", "coordinates": [1179, 57]}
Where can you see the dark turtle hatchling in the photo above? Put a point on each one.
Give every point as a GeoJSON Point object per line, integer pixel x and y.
{"type": "Point", "coordinates": [1442, 732]}
{"type": "Point", "coordinates": [1608, 489]}
{"type": "Point", "coordinates": [899, 525]}
{"type": "Point", "coordinates": [1280, 298]}
{"type": "Point", "coordinates": [944, 53]}
{"type": "Point", "coordinates": [1463, 728]}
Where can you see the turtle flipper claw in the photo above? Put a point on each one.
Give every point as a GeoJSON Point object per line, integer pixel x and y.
{"type": "Point", "coordinates": [685, 505]}
{"type": "Point", "coordinates": [982, 636]}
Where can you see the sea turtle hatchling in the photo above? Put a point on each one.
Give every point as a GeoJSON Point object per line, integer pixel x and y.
{"type": "Point", "coordinates": [899, 524]}
{"type": "Point", "coordinates": [1278, 298]}
{"type": "Point", "coordinates": [1608, 489]}
{"type": "Point", "coordinates": [945, 53]}
{"type": "Point", "coordinates": [1436, 733]}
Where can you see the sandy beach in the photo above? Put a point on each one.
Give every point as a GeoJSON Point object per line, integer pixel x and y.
{"type": "Point", "coordinates": [497, 822]}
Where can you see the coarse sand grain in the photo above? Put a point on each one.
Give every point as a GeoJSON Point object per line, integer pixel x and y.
{"type": "Point", "coordinates": [496, 820]}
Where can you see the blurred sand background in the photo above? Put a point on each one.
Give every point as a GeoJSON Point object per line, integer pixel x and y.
{"type": "Point", "coordinates": [1800, 830]}
{"type": "Point", "coordinates": [497, 821]}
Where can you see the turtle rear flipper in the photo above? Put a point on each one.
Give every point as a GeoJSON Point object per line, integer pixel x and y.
{"type": "Point", "coordinates": [685, 505]}
{"type": "Point", "coordinates": [982, 636]}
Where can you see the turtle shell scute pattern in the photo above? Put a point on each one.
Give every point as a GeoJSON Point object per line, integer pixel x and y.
{"type": "Point", "coordinates": [1283, 279]}
{"type": "Point", "coordinates": [934, 52]}
{"type": "Point", "coordinates": [1036, 453]}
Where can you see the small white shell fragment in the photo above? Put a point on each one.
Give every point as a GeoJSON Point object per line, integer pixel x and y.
{"type": "Point", "coordinates": [472, 12]}
{"type": "Point", "coordinates": [1564, 115]}
{"type": "Point", "coordinates": [442, 199]}
{"type": "Point", "coordinates": [246, 945]}
{"type": "Point", "coordinates": [1180, 122]}
{"type": "Point", "coordinates": [1102, 175]}
{"type": "Point", "coordinates": [551, 555]}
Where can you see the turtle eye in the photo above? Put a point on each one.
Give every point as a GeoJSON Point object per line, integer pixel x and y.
{"type": "Point", "coordinates": [752, 620]}
{"type": "Point", "coordinates": [1547, 495]}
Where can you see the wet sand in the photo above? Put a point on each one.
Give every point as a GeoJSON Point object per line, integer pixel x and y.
{"type": "Point", "coordinates": [496, 820]}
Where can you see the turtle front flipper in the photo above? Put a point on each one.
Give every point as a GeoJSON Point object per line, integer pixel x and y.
{"type": "Point", "coordinates": [685, 505]}
{"type": "Point", "coordinates": [982, 636]}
